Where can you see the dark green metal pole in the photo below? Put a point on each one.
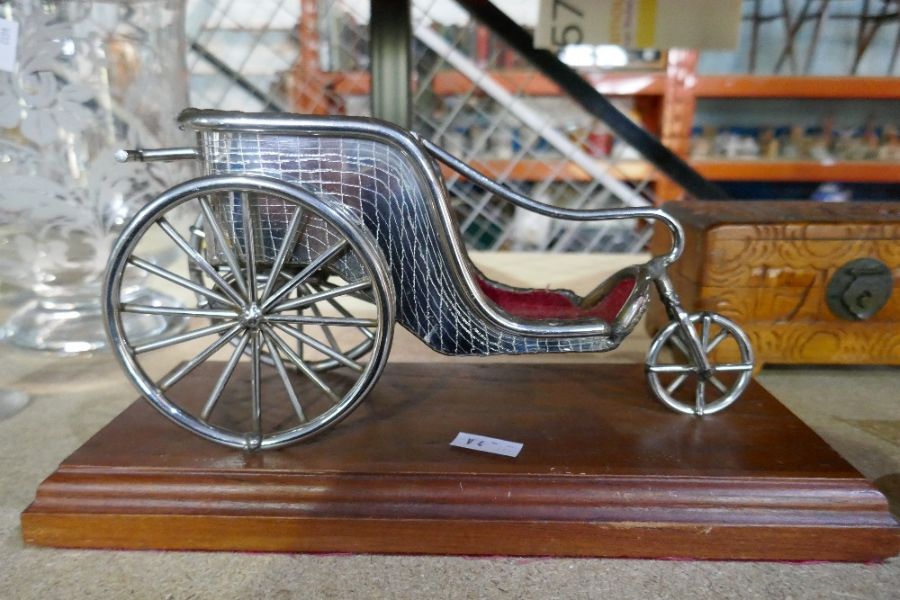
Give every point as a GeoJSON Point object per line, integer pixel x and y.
{"type": "Point", "coordinates": [390, 40]}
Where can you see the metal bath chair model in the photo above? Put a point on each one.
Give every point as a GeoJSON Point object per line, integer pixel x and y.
{"type": "Point", "coordinates": [314, 235]}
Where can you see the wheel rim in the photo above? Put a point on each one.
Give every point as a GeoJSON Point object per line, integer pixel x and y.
{"type": "Point", "coordinates": [245, 302]}
{"type": "Point", "coordinates": [677, 381]}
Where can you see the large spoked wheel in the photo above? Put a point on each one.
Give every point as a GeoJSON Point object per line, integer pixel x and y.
{"type": "Point", "coordinates": [681, 384]}
{"type": "Point", "coordinates": [293, 295]}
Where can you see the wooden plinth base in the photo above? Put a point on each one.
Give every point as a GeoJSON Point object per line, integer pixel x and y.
{"type": "Point", "coordinates": [605, 471]}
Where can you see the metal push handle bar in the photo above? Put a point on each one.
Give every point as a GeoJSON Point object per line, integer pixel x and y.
{"type": "Point", "coordinates": [156, 154]}
{"type": "Point", "coordinates": [555, 212]}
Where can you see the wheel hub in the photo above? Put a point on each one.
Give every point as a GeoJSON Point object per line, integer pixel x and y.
{"type": "Point", "coordinates": [251, 316]}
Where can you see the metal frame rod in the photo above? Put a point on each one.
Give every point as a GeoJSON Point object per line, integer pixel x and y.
{"type": "Point", "coordinates": [593, 101]}
{"type": "Point", "coordinates": [156, 154]}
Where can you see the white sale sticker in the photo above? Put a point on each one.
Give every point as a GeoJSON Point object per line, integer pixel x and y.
{"type": "Point", "coordinates": [481, 443]}
{"type": "Point", "coordinates": [639, 23]}
{"type": "Point", "coordinates": [9, 38]}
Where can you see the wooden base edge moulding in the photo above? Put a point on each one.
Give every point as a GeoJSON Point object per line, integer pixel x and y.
{"type": "Point", "coordinates": [605, 471]}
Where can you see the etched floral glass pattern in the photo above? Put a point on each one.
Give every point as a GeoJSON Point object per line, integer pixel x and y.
{"type": "Point", "coordinates": [89, 78]}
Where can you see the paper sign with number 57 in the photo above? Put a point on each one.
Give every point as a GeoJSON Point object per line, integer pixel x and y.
{"type": "Point", "coordinates": [639, 23]}
{"type": "Point", "coordinates": [564, 22]}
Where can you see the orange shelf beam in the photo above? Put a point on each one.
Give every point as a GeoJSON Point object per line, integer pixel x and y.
{"type": "Point", "coordinates": [530, 83]}
{"type": "Point", "coordinates": [750, 170]}
{"type": "Point", "coordinates": [351, 83]}
{"type": "Point", "coordinates": [760, 86]}
{"type": "Point", "coordinates": [747, 170]}
{"type": "Point", "coordinates": [449, 83]}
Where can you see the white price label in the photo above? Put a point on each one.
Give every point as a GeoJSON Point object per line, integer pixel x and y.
{"type": "Point", "coordinates": [563, 22]}
{"type": "Point", "coordinates": [9, 38]}
{"type": "Point", "coordinates": [481, 443]}
{"type": "Point", "coordinates": [639, 23]}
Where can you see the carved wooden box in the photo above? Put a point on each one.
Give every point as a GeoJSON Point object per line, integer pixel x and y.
{"type": "Point", "coordinates": [792, 275]}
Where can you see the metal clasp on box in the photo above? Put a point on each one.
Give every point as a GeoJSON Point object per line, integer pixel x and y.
{"type": "Point", "coordinates": [859, 289]}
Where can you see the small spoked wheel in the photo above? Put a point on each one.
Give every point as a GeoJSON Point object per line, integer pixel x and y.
{"type": "Point", "coordinates": [681, 384]}
{"type": "Point", "coordinates": [288, 291]}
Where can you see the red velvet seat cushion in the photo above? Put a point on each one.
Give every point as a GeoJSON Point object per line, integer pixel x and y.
{"type": "Point", "coordinates": [554, 304]}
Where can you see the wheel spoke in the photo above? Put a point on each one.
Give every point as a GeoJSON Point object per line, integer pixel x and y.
{"type": "Point", "coordinates": [249, 248]}
{"type": "Point", "coordinates": [313, 342]}
{"type": "Point", "coordinates": [361, 348]}
{"type": "Point", "coordinates": [178, 311]}
{"type": "Point", "coordinates": [340, 308]}
{"type": "Point", "coordinates": [300, 364]}
{"type": "Point", "coordinates": [222, 381]}
{"type": "Point", "coordinates": [671, 369]}
{"type": "Point", "coordinates": [729, 368]}
{"type": "Point", "coordinates": [176, 376]}
{"type": "Point", "coordinates": [287, 244]}
{"type": "Point", "coordinates": [327, 331]}
{"type": "Point", "coordinates": [720, 337]}
{"type": "Point", "coordinates": [255, 399]}
{"type": "Point", "coordinates": [678, 343]}
{"type": "Point", "coordinates": [282, 373]}
{"type": "Point", "coordinates": [184, 337]}
{"type": "Point", "coordinates": [312, 320]}
{"type": "Point", "coordinates": [704, 330]}
{"type": "Point", "coordinates": [718, 384]}
{"type": "Point", "coordinates": [303, 275]}
{"type": "Point", "coordinates": [179, 280]}
{"type": "Point", "coordinates": [700, 397]}
{"type": "Point", "coordinates": [300, 350]}
{"type": "Point", "coordinates": [199, 260]}
{"type": "Point", "coordinates": [319, 296]}
{"type": "Point", "coordinates": [300, 346]}
{"type": "Point", "coordinates": [213, 223]}
{"type": "Point", "coordinates": [676, 383]}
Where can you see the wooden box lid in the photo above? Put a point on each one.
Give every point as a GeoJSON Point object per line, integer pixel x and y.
{"type": "Point", "coordinates": [739, 243]}
{"type": "Point", "coordinates": [705, 215]}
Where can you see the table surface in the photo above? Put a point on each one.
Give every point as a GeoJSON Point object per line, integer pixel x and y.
{"type": "Point", "coordinates": [856, 409]}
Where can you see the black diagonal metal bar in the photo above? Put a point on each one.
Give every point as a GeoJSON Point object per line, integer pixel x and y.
{"type": "Point", "coordinates": [241, 81]}
{"type": "Point", "coordinates": [593, 101]}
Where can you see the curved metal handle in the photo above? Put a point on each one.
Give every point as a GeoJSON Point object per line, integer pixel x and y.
{"type": "Point", "coordinates": [569, 214]}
